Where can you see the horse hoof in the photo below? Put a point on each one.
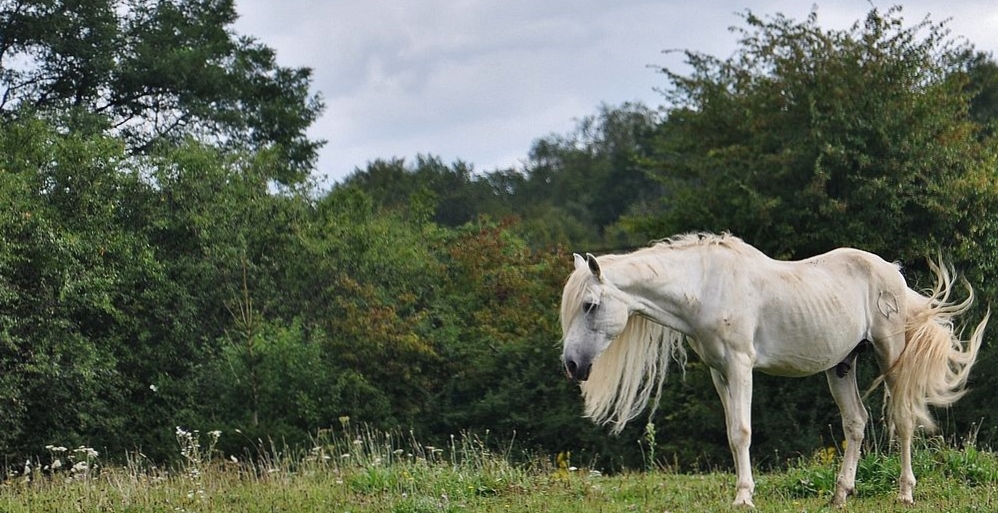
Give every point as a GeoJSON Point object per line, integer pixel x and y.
{"type": "Point", "coordinates": [841, 494]}
{"type": "Point", "coordinates": [743, 500]}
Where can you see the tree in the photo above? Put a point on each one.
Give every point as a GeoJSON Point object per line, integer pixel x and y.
{"type": "Point", "coordinates": [594, 175]}
{"type": "Point", "coordinates": [451, 195]}
{"type": "Point", "coordinates": [77, 283]}
{"type": "Point", "coordinates": [982, 84]}
{"type": "Point", "coordinates": [807, 139]}
{"type": "Point", "coordinates": [155, 72]}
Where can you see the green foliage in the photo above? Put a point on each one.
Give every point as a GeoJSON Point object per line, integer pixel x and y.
{"type": "Point", "coordinates": [596, 171]}
{"type": "Point", "coordinates": [573, 188]}
{"type": "Point", "coordinates": [66, 276]}
{"type": "Point", "coordinates": [807, 139]}
{"type": "Point", "coordinates": [155, 73]}
{"type": "Point", "coordinates": [428, 189]}
{"type": "Point", "coordinates": [982, 85]}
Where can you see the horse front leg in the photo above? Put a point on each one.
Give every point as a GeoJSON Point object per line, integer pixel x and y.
{"type": "Point", "coordinates": [734, 385]}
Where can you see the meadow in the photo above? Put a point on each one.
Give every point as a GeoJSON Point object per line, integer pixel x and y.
{"type": "Point", "coordinates": [368, 471]}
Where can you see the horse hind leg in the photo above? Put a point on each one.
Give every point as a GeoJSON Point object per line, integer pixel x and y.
{"type": "Point", "coordinates": [888, 350]}
{"type": "Point", "coordinates": [845, 391]}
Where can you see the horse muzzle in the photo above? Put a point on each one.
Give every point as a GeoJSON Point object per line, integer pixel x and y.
{"type": "Point", "coordinates": [578, 371]}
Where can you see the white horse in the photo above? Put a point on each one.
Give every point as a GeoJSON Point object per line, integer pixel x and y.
{"type": "Point", "coordinates": [624, 316]}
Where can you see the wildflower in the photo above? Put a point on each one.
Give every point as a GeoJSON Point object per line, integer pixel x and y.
{"type": "Point", "coordinates": [154, 388]}
{"type": "Point", "coordinates": [86, 451]}
{"type": "Point", "coordinates": [56, 464]}
{"type": "Point", "coordinates": [215, 434]}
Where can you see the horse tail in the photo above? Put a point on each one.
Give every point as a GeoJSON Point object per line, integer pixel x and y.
{"type": "Point", "coordinates": [935, 363]}
{"type": "Point", "coordinates": [627, 373]}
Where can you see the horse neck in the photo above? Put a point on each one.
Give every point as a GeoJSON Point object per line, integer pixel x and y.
{"type": "Point", "coordinates": [663, 285]}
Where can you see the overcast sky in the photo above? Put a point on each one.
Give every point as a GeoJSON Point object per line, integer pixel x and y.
{"type": "Point", "coordinates": [480, 80]}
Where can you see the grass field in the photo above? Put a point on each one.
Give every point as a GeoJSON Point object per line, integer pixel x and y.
{"type": "Point", "coordinates": [376, 472]}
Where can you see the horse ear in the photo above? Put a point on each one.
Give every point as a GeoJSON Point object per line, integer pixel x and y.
{"type": "Point", "coordinates": [580, 263]}
{"type": "Point", "coordinates": [594, 266]}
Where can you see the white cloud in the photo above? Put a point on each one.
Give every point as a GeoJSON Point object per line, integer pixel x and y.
{"type": "Point", "coordinates": [480, 80]}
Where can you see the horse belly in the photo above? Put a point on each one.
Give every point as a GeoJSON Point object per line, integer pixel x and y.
{"type": "Point", "coordinates": [793, 350]}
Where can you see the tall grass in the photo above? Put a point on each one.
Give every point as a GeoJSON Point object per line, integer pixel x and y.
{"type": "Point", "coordinates": [366, 470]}
{"type": "Point", "coordinates": [955, 462]}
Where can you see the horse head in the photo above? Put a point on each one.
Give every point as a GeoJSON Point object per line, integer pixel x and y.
{"type": "Point", "coordinates": [593, 313]}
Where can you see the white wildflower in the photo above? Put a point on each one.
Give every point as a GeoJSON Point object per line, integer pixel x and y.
{"type": "Point", "coordinates": [86, 451]}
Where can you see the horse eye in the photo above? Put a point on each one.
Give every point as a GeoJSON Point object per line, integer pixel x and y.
{"type": "Point", "coordinates": [589, 307]}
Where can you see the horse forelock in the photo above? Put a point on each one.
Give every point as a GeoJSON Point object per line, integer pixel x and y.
{"type": "Point", "coordinates": [572, 297]}
{"type": "Point", "coordinates": [574, 293]}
